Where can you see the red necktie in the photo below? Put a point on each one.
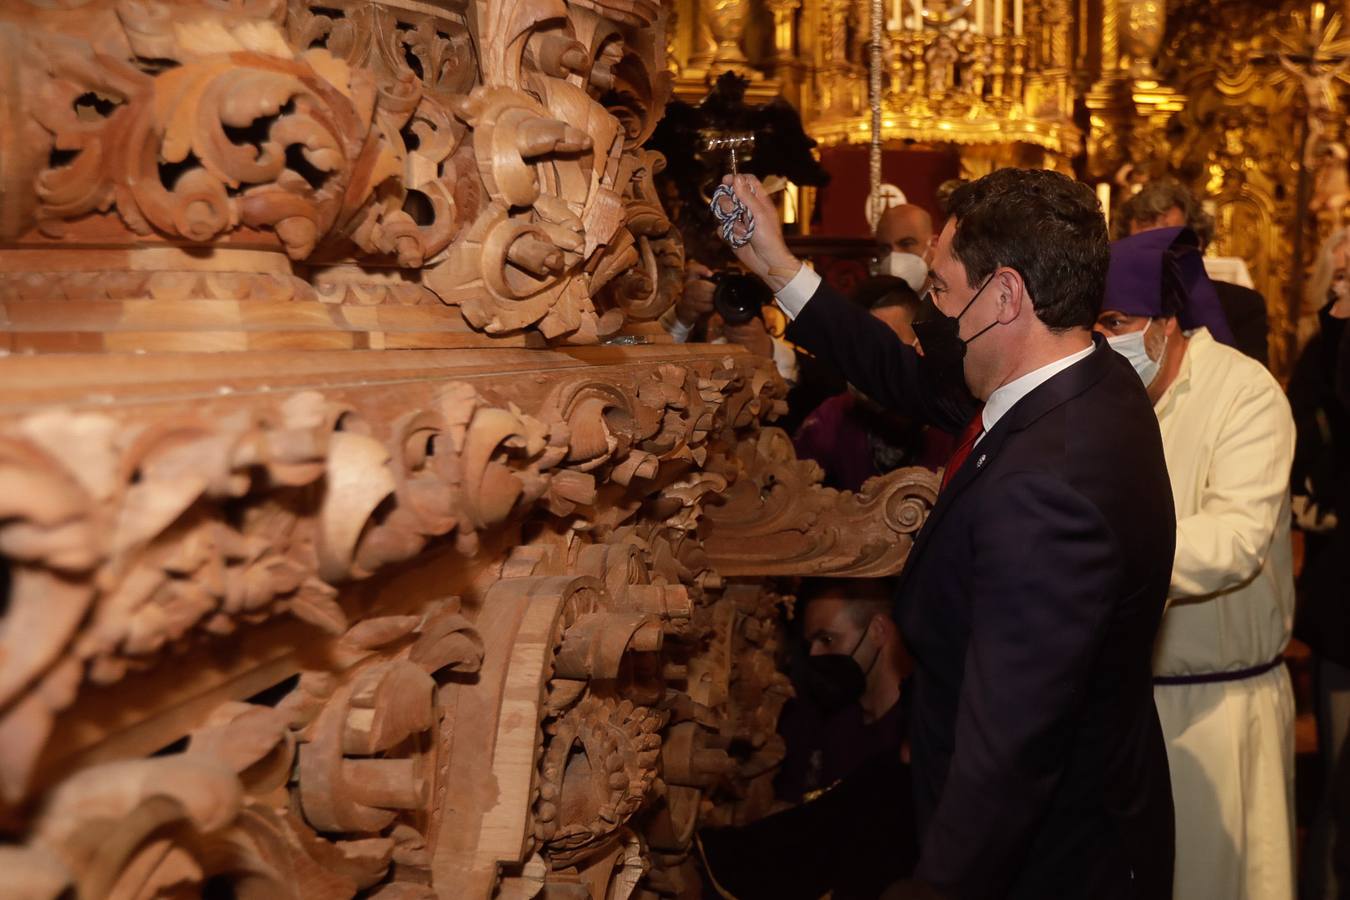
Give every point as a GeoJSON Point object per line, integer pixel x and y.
{"type": "Point", "coordinates": [974, 428]}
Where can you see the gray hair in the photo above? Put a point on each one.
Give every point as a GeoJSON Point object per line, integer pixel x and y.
{"type": "Point", "coordinates": [1156, 198]}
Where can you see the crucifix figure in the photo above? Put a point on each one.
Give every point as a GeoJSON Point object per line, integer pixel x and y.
{"type": "Point", "coordinates": [1318, 64]}
{"type": "Point", "coordinates": [1316, 72]}
{"type": "Point", "coordinates": [1323, 156]}
{"type": "Point", "coordinates": [1314, 52]}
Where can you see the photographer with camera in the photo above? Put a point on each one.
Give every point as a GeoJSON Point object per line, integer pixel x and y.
{"type": "Point", "coordinates": [729, 308]}
{"type": "Point", "coordinates": [694, 306]}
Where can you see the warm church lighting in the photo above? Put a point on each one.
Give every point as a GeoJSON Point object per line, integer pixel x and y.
{"type": "Point", "coordinates": [422, 477]}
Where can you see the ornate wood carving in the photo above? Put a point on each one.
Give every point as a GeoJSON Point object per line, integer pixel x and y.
{"type": "Point", "coordinates": [428, 741]}
{"type": "Point", "coordinates": [348, 154]}
{"type": "Point", "coordinates": [777, 520]}
{"type": "Point", "coordinates": [447, 605]}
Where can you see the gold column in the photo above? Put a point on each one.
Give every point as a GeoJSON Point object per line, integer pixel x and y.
{"type": "Point", "coordinates": [1107, 110]}
{"type": "Point", "coordinates": [786, 66]}
{"type": "Point", "coordinates": [1110, 38]}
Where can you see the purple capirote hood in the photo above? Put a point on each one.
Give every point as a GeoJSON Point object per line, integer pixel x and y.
{"type": "Point", "coordinates": [1134, 282]}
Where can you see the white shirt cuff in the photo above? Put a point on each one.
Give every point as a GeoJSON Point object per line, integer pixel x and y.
{"type": "Point", "coordinates": [679, 332]}
{"type": "Point", "coordinates": [792, 298]}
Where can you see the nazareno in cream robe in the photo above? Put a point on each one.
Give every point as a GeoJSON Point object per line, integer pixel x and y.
{"type": "Point", "coordinates": [1228, 436]}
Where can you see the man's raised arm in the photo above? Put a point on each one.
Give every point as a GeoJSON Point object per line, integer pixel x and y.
{"type": "Point", "coordinates": [859, 346]}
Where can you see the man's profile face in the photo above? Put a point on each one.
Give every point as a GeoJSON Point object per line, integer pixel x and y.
{"type": "Point", "coordinates": [1340, 271]}
{"type": "Point", "coordinates": [1172, 217]}
{"type": "Point", "coordinates": [1113, 322]}
{"type": "Point", "coordinates": [951, 289]}
{"type": "Point", "coordinates": [828, 626]}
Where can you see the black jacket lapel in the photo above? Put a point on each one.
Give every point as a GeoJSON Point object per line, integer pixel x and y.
{"type": "Point", "coordinates": [1059, 389]}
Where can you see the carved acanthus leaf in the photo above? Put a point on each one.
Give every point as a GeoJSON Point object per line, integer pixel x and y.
{"type": "Point", "coordinates": [778, 520]}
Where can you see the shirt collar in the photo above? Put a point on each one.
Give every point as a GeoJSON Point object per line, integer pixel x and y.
{"type": "Point", "coordinates": [1198, 337]}
{"type": "Point", "coordinates": [1006, 397]}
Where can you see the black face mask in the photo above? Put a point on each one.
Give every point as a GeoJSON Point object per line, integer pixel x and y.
{"type": "Point", "coordinates": [831, 681]}
{"type": "Point", "coordinates": [940, 334]}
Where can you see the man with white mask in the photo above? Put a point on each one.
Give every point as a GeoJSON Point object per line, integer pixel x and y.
{"type": "Point", "coordinates": [1222, 692]}
{"type": "Point", "coordinates": [907, 231]}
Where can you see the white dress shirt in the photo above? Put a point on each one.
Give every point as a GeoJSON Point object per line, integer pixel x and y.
{"type": "Point", "coordinates": [1006, 397]}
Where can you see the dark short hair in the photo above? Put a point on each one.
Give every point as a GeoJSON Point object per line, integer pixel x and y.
{"type": "Point", "coordinates": [883, 291]}
{"type": "Point", "coordinates": [865, 597]}
{"type": "Point", "coordinates": [1047, 227]}
{"type": "Point", "coordinates": [1156, 198]}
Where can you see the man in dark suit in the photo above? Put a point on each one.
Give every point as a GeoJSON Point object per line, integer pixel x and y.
{"type": "Point", "coordinates": [1033, 593]}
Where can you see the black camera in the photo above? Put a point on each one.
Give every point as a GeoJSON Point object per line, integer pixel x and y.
{"type": "Point", "coordinates": [738, 297]}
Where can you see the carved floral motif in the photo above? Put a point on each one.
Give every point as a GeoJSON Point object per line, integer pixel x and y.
{"type": "Point", "coordinates": [508, 163]}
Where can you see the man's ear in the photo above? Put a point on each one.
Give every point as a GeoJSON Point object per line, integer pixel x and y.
{"type": "Point", "coordinates": [880, 625]}
{"type": "Point", "coordinates": [1012, 294]}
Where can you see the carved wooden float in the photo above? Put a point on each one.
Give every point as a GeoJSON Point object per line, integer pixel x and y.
{"type": "Point", "coordinates": [409, 587]}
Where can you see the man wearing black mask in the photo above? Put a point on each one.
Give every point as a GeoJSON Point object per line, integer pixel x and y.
{"type": "Point", "coordinates": [1033, 593]}
{"type": "Point", "coordinates": [850, 831]}
{"type": "Point", "coordinates": [848, 679]}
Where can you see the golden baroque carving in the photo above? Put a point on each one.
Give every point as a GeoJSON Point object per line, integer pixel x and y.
{"type": "Point", "coordinates": [1231, 144]}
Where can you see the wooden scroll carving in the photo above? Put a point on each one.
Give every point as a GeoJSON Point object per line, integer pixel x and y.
{"type": "Point", "coordinates": [778, 520]}
{"type": "Point", "coordinates": [450, 604]}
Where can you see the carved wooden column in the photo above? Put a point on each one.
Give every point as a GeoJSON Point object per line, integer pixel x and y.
{"type": "Point", "coordinates": [341, 557]}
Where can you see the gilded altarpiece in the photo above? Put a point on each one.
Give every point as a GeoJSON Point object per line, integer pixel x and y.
{"type": "Point", "coordinates": [362, 535]}
{"type": "Point", "coordinates": [1243, 101]}
{"type": "Point", "coordinates": [1229, 104]}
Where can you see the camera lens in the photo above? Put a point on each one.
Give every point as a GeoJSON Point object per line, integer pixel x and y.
{"type": "Point", "coordinates": [738, 298]}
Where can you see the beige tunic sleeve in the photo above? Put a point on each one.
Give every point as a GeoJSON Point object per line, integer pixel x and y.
{"type": "Point", "coordinates": [1225, 541]}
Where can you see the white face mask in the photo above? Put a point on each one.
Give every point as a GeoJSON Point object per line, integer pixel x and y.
{"type": "Point", "coordinates": [1131, 346]}
{"type": "Point", "coordinates": [907, 266]}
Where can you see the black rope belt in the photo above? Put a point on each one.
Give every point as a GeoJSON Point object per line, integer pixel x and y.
{"type": "Point", "coordinates": [1218, 677]}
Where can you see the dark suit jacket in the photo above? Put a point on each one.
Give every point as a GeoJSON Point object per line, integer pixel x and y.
{"type": "Point", "coordinates": [1245, 310]}
{"type": "Point", "coordinates": [1030, 602]}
